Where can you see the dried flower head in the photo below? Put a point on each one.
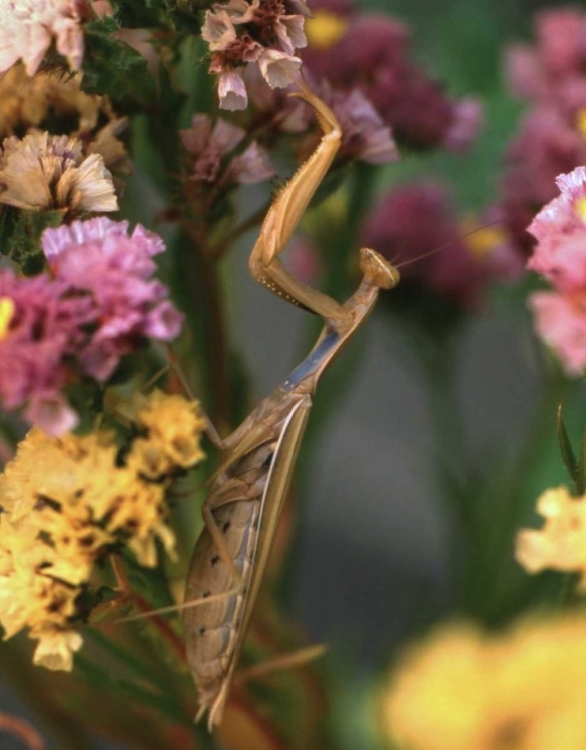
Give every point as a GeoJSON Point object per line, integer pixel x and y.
{"type": "Point", "coordinates": [29, 27]}
{"type": "Point", "coordinates": [44, 172]}
{"type": "Point", "coordinates": [209, 146]}
{"type": "Point", "coordinates": [48, 98]}
{"type": "Point", "coordinates": [462, 690]}
{"type": "Point", "coordinates": [264, 32]}
{"type": "Point", "coordinates": [68, 503]}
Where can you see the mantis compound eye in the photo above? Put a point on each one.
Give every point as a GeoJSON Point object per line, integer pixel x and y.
{"type": "Point", "coordinates": [377, 269]}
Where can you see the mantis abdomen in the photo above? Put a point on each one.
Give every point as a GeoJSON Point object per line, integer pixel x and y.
{"type": "Point", "coordinates": [213, 629]}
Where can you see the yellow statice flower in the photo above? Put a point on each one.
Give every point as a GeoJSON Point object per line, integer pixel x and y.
{"type": "Point", "coordinates": [561, 543]}
{"type": "Point", "coordinates": [464, 690]}
{"type": "Point", "coordinates": [70, 501]}
{"type": "Point", "coordinates": [171, 426]}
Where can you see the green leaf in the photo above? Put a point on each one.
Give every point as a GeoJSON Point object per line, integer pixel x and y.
{"type": "Point", "coordinates": [566, 447]}
{"type": "Point", "coordinates": [139, 14]}
{"type": "Point", "coordinates": [20, 233]}
{"type": "Point", "coordinates": [581, 471]}
{"type": "Point", "coordinates": [114, 68]}
{"type": "Point", "coordinates": [185, 15]}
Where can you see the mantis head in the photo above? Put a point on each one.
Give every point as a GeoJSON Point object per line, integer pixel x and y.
{"type": "Point", "coordinates": [377, 269]}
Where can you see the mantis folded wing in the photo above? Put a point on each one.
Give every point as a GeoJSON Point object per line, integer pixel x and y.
{"type": "Point", "coordinates": [247, 492]}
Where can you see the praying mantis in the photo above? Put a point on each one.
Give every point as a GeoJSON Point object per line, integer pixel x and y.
{"type": "Point", "coordinates": [247, 491]}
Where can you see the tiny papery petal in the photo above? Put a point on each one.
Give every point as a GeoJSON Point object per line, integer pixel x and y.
{"type": "Point", "coordinates": [278, 68]}
{"type": "Point", "coordinates": [232, 91]}
{"type": "Point", "coordinates": [252, 166]}
{"type": "Point", "coordinates": [52, 414]}
{"type": "Point", "coordinates": [573, 185]}
{"type": "Point", "coordinates": [55, 650]}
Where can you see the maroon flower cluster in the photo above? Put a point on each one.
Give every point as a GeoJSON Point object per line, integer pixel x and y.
{"type": "Point", "coordinates": [372, 55]}
{"type": "Point", "coordinates": [416, 222]}
{"type": "Point", "coordinates": [98, 305]}
{"type": "Point", "coordinates": [552, 136]}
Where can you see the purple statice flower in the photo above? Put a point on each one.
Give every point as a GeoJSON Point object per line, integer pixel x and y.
{"type": "Point", "coordinates": [365, 137]}
{"type": "Point", "coordinates": [372, 55]}
{"type": "Point", "coordinates": [41, 329]}
{"type": "Point", "coordinates": [100, 258]}
{"type": "Point", "coordinates": [414, 220]}
{"type": "Point", "coordinates": [264, 32]}
{"type": "Point", "coordinates": [208, 147]}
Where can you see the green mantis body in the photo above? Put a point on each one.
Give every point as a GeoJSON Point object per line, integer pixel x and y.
{"type": "Point", "coordinates": [247, 492]}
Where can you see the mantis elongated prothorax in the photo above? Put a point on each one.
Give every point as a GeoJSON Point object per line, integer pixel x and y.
{"type": "Point", "coordinates": [247, 492]}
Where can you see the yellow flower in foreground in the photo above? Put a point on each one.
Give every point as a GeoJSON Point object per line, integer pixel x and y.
{"type": "Point", "coordinates": [561, 544]}
{"type": "Point", "coordinates": [463, 690]}
{"type": "Point", "coordinates": [68, 502]}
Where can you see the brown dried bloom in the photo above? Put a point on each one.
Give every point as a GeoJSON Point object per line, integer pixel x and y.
{"type": "Point", "coordinates": [47, 98]}
{"type": "Point", "coordinates": [43, 172]}
{"type": "Point", "coordinates": [265, 32]}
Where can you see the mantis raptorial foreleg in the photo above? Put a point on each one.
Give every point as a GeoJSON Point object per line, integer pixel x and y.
{"type": "Point", "coordinates": [285, 214]}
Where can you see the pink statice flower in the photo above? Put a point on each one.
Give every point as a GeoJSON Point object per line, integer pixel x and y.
{"type": "Point", "coordinates": [560, 320]}
{"type": "Point", "coordinates": [416, 220]}
{"type": "Point", "coordinates": [42, 326]}
{"type": "Point", "coordinates": [560, 229]}
{"type": "Point", "coordinates": [554, 70]}
{"type": "Point", "coordinates": [115, 268]}
{"type": "Point", "coordinates": [208, 147]}
{"type": "Point", "coordinates": [551, 74]}
{"type": "Point", "coordinates": [373, 56]}
{"type": "Point", "coordinates": [264, 32]}
{"type": "Point", "coordinates": [560, 257]}
{"type": "Point", "coordinates": [29, 27]}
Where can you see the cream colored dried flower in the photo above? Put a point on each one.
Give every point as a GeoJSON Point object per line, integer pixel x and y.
{"type": "Point", "coordinates": [29, 27]}
{"type": "Point", "coordinates": [44, 172]}
{"type": "Point", "coordinates": [561, 543]}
